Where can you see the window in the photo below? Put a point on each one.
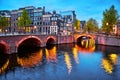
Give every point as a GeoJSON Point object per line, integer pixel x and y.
{"type": "Point", "coordinates": [40, 23]}
{"type": "Point", "coordinates": [54, 23]}
{"type": "Point", "coordinates": [37, 23]}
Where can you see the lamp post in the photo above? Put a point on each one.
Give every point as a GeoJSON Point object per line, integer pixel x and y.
{"type": "Point", "coordinates": [34, 28]}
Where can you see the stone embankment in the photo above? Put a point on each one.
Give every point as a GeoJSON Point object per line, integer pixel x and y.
{"type": "Point", "coordinates": [107, 40]}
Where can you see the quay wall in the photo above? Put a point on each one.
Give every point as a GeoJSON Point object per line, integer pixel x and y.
{"type": "Point", "coordinates": [107, 40]}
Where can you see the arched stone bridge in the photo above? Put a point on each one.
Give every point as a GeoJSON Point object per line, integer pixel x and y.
{"type": "Point", "coordinates": [10, 44]}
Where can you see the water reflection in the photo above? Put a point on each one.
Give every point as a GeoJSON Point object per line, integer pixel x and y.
{"type": "Point", "coordinates": [109, 62]}
{"type": "Point", "coordinates": [4, 62]}
{"type": "Point", "coordinates": [32, 60]}
{"type": "Point", "coordinates": [68, 62]}
{"type": "Point", "coordinates": [51, 54]}
{"type": "Point", "coordinates": [75, 54]}
{"type": "Point", "coordinates": [71, 63]}
{"type": "Point", "coordinates": [86, 50]}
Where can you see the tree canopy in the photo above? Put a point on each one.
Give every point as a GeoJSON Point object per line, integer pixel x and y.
{"type": "Point", "coordinates": [110, 18]}
{"type": "Point", "coordinates": [24, 20]}
{"type": "Point", "coordinates": [77, 25]}
{"type": "Point", "coordinates": [4, 22]}
{"type": "Point", "coordinates": [91, 26]}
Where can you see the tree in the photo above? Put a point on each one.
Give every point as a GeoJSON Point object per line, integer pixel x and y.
{"type": "Point", "coordinates": [91, 26]}
{"type": "Point", "coordinates": [110, 18]}
{"type": "Point", "coordinates": [4, 22]}
{"type": "Point", "coordinates": [24, 20]}
{"type": "Point", "coordinates": [77, 25]}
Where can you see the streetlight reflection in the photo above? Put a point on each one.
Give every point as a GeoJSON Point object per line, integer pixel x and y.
{"type": "Point", "coordinates": [32, 60]}
{"type": "Point", "coordinates": [75, 55]}
{"type": "Point", "coordinates": [68, 62]}
{"type": "Point", "coordinates": [51, 54]}
{"type": "Point", "coordinates": [109, 62]}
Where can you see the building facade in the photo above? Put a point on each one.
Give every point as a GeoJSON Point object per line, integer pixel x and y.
{"type": "Point", "coordinates": [45, 28]}
{"type": "Point", "coordinates": [38, 20]}
{"type": "Point", "coordinates": [82, 26]}
{"type": "Point", "coordinates": [55, 24]}
{"type": "Point", "coordinates": [43, 22]}
{"type": "Point", "coordinates": [69, 18]}
{"type": "Point", "coordinates": [118, 27]}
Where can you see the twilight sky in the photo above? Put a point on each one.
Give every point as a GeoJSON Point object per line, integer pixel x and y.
{"type": "Point", "coordinates": [85, 9]}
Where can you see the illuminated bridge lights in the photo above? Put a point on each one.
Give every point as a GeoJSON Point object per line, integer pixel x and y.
{"type": "Point", "coordinates": [87, 43]}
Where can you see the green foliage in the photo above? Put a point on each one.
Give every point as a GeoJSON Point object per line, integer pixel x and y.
{"type": "Point", "coordinates": [91, 26]}
{"type": "Point", "coordinates": [110, 18]}
{"type": "Point", "coordinates": [24, 20]}
{"type": "Point", "coordinates": [77, 25]}
{"type": "Point", "coordinates": [4, 22]}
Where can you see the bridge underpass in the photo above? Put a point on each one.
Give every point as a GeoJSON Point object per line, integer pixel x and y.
{"type": "Point", "coordinates": [28, 46]}
{"type": "Point", "coordinates": [50, 43]}
{"type": "Point", "coordinates": [85, 41]}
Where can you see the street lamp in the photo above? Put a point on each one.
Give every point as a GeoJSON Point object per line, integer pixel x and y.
{"type": "Point", "coordinates": [107, 24]}
{"type": "Point", "coordinates": [34, 28]}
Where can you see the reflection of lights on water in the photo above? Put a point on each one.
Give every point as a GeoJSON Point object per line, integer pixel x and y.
{"type": "Point", "coordinates": [51, 54]}
{"type": "Point", "coordinates": [2, 69]}
{"type": "Point", "coordinates": [108, 64]}
{"type": "Point", "coordinates": [68, 62]}
{"type": "Point", "coordinates": [75, 55]}
{"type": "Point", "coordinates": [113, 58]}
{"type": "Point", "coordinates": [32, 60]}
{"type": "Point", "coordinates": [47, 55]}
{"type": "Point", "coordinates": [86, 50]}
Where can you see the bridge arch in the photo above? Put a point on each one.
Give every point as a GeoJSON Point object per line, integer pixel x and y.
{"type": "Point", "coordinates": [27, 43]}
{"type": "Point", "coordinates": [80, 36]}
{"type": "Point", "coordinates": [50, 40]}
{"type": "Point", "coordinates": [4, 48]}
{"type": "Point", "coordinates": [30, 39]}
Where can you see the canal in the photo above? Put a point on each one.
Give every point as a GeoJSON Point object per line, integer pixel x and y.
{"type": "Point", "coordinates": [62, 62]}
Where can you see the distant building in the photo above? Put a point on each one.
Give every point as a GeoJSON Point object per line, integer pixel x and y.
{"type": "Point", "coordinates": [38, 19]}
{"type": "Point", "coordinates": [83, 23]}
{"type": "Point", "coordinates": [42, 22]}
{"type": "Point", "coordinates": [34, 14]}
{"type": "Point", "coordinates": [118, 27]}
{"type": "Point", "coordinates": [14, 20]}
{"type": "Point", "coordinates": [30, 10]}
{"type": "Point", "coordinates": [5, 13]}
{"type": "Point", "coordinates": [69, 18]}
{"type": "Point", "coordinates": [55, 23]}
{"type": "Point", "coordinates": [45, 28]}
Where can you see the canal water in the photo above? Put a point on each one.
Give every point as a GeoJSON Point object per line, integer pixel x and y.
{"type": "Point", "coordinates": [62, 62]}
